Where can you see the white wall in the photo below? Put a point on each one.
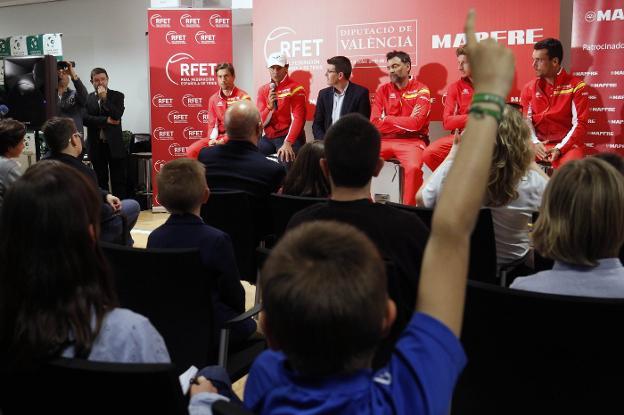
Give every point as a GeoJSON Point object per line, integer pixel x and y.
{"type": "Point", "coordinates": [111, 34]}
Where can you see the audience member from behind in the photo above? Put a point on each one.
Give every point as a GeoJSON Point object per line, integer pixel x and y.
{"type": "Point", "coordinates": [515, 187]}
{"type": "Point", "coordinates": [305, 177]}
{"type": "Point", "coordinates": [581, 227]}
{"type": "Point", "coordinates": [12, 134]}
{"type": "Point", "coordinates": [613, 159]}
{"type": "Point", "coordinates": [182, 190]}
{"type": "Point", "coordinates": [65, 144]}
{"type": "Point", "coordinates": [325, 305]}
{"type": "Point", "coordinates": [56, 295]}
{"type": "Point", "coordinates": [237, 164]}
{"type": "Point", "coordinates": [351, 160]}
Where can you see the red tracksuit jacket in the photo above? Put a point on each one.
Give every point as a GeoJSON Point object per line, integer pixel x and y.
{"type": "Point", "coordinates": [456, 104]}
{"type": "Point", "coordinates": [289, 118]}
{"type": "Point", "coordinates": [398, 105]}
{"type": "Point", "coordinates": [558, 112]}
{"type": "Point", "coordinates": [217, 105]}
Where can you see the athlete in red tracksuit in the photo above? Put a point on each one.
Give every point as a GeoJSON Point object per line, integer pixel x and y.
{"type": "Point", "coordinates": [557, 106]}
{"type": "Point", "coordinates": [456, 105]}
{"type": "Point", "coordinates": [218, 103]}
{"type": "Point", "coordinates": [283, 126]}
{"type": "Point", "coordinates": [401, 114]}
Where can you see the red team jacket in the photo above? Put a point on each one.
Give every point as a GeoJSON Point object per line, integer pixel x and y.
{"type": "Point", "coordinates": [397, 105]}
{"type": "Point", "coordinates": [217, 105]}
{"type": "Point", "coordinates": [289, 118]}
{"type": "Point", "coordinates": [558, 112]}
{"type": "Point", "coordinates": [456, 104]}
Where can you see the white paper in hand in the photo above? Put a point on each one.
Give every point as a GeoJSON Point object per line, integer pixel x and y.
{"type": "Point", "coordinates": [185, 378]}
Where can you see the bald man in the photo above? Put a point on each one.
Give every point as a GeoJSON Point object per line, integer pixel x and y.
{"type": "Point", "coordinates": [238, 164]}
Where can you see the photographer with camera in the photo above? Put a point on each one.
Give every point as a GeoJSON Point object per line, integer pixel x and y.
{"type": "Point", "coordinates": [71, 103]}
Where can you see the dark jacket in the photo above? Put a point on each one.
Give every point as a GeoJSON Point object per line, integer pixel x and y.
{"type": "Point", "coordinates": [356, 99]}
{"type": "Point", "coordinates": [95, 120]}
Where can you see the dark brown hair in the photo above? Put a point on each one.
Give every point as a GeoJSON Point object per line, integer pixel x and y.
{"type": "Point", "coordinates": [181, 185]}
{"type": "Point", "coordinates": [305, 177]}
{"type": "Point", "coordinates": [11, 133]}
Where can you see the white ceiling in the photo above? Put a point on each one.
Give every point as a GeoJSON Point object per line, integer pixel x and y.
{"type": "Point", "coordinates": [7, 3]}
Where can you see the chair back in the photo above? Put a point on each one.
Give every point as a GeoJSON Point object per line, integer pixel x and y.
{"type": "Point", "coordinates": [173, 290]}
{"type": "Point", "coordinates": [77, 386]}
{"type": "Point", "coordinates": [283, 207]}
{"type": "Point", "coordinates": [539, 353]}
{"type": "Point", "coordinates": [232, 213]}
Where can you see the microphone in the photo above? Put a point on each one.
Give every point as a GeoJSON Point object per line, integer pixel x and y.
{"type": "Point", "coordinates": [4, 110]}
{"type": "Point", "coordinates": [272, 86]}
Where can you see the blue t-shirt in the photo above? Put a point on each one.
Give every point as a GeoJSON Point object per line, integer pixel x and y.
{"type": "Point", "coordinates": [419, 379]}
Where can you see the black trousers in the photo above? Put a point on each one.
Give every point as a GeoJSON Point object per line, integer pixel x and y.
{"type": "Point", "coordinates": [103, 163]}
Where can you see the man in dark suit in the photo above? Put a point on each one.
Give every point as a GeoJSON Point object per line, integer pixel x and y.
{"type": "Point", "coordinates": [238, 164]}
{"type": "Point", "coordinates": [105, 108]}
{"type": "Point", "coordinates": [340, 98]}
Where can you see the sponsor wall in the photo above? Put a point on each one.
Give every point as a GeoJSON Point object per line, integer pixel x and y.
{"type": "Point", "coordinates": [598, 56]}
{"type": "Point", "coordinates": [365, 30]}
{"type": "Point", "coordinates": [185, 46]}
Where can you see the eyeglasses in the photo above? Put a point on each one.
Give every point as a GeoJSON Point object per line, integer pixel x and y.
{"type": "Point", "coordinates": [327, 72]}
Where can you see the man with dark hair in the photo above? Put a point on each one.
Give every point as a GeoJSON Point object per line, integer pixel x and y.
{"type": "Point", "coordinates": [341, 97]}
{"type": "Point", "coordinates": [556, 106]}
{"type": "Point", "coordinates": [282, 105]}
{"type": "Point", "coordinates": [238, 164]}
{"type": "Point", "coordinates": [401, 114]}
{"type": "Point", "coordinates": [65, 144]}
{"type": "Point", "coordinates": [106, 149]}
{"type": "Point", "coordinates": [456, 105]}
{"type": "Point", "coordinates": [218, 103]}
{"type": "Point", "coordinates": [351, 160]}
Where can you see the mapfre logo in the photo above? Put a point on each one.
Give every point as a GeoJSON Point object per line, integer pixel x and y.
{"type": "Point", "coordinates": [216, 20]}
{"type": "Point", "coordinates": [174, 38]}
{"type": "Point", "coordinates": [160, 133]}
{"type": "Point", "coordinates": [159, 22]}
{"type": "Point", "coordinates": [202, 116]}
{"type": "Point", "coordinates": [176, 150]}
{"type": "Point", "coordinates": [158, 164]}
{"type": "Point", "coordinates": [188, 21]}
{"type": "Point", "coordinates": [282, 39]}
{"type": "Point", "coordinates": [203, 38]}
{"type": "Point", "coordinates": [176, 117]}
{"type": "Point", "coordinates": [182, 69]}
{"type": "Point", "coordinates": [191, 133]}
{"type": "Point", "coordinates": [508, 37]}
{"type": "Point", "coordinates": [191, 101]}
{"type": "Point", "coordinates": [604, 15]}
{"type": "Point", "coordinates": [161, 101]}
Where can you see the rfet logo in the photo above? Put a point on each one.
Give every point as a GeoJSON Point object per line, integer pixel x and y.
{"type": "Point", "coordinates": [204, 38]}
{"type": "Point", "coordinates": [174, 38]}
{"type": "Point", "coordinates": [191, 133]}
{"type": "Point", "coordinates": [191, 101]}
{"type": "Point", "coordinates": [160, 133]}
{"type": "Point", "coordinates": [182, 69]}
{"type": "Point", "coordinates": [176, 117]}
{"type": "Point", "coordinates": [186, 20]}
{"type": "Point", "coordinates": [158, 165]}
{"type": "Point", "coordinates": [176, 150]}
{"type": "Point", "coordinates": [282, 39]}
{"type": "Point", "coordinates": [161, 101]}
{"type": "Point", "coordinates": [202, 116]}
{"type": "Point", "coordinates": [604, 15]}
{"type": "Point", "coordinates": [216, 20]}
{"type": "Point", "coordinates": [160, 22]}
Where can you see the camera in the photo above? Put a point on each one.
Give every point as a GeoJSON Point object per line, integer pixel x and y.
{"type": "Point", "coordinates": [64, 65]}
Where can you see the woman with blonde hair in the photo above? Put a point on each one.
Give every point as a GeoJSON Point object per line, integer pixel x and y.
{"type": "Point", "coordinates": [581, 227]}
{"type": "Point", "coordinates": [514, 190]}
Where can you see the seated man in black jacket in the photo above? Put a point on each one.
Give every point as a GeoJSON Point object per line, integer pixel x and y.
{"type": "Point", "coordinates": [65, 144]}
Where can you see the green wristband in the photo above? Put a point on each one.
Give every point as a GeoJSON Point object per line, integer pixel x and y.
{"type": "Point", "coordinates": [481, 112]}
{"type": "Point", "coordinates": [491, 98]}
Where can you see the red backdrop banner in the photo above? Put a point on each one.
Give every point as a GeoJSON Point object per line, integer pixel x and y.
{"type": "Point", "coordinates": [185, 46]}
{"type": "Point", "coordinates": [365, 30]}
{"type": "Point", "coordinates": [598, 56]}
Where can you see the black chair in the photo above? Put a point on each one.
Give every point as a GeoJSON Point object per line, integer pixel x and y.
{"type": "Point", "coordinates": [482, 243]}
{"type": "Point", "coordinates": [228, 408]}
{"type": "Point", "coordinates": [539, 353]}
{"type": "Point", "coordinates": [233, 213]}
{"type": "Point", "coordinates": [173, 290]}
{"type": "Point", "coordinates": [283, 207]}
{"type": "Point", "coordinates": [77, 386]}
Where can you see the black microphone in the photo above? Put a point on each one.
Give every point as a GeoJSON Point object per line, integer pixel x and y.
{"type": "Point", "coordinates": [4, 110]}
{"type": "Point", "coordinates": [272, 86]}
